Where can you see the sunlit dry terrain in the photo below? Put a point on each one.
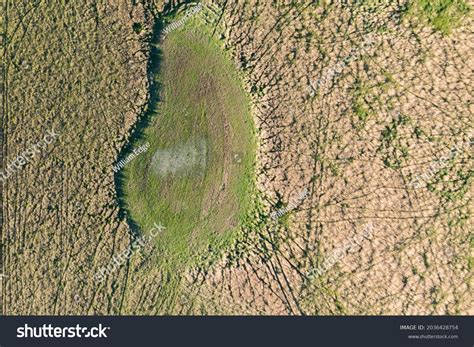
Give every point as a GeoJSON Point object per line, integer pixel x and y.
{"type": "Point", "coordinates": [359, 190]}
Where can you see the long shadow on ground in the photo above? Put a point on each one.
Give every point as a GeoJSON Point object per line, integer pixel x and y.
{"type": "Point", "coordinates": [138, 131]}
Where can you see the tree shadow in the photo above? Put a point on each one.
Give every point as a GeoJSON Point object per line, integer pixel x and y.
{"type": "Point", "coordinates": [138, 131]}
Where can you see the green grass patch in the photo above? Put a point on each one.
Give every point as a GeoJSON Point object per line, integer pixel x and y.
{"type": "Point", "coordinates": [443, 15]}
{"type": "Point", "coordinates": [196, 179]}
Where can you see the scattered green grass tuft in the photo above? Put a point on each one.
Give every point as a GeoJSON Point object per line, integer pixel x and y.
{"type": "Point", "coordinates": [443, 15]}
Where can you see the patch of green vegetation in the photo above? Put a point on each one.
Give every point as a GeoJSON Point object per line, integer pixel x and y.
{"type": "Point", "coordinates": [196, 178]}
{"type": "Point", "coordinates": [285, 219]}
{"type": "Point", "coordinates": [360, 106]}
{"type": "Point", "coordinates": [254, 225]}
{"type": "Point", "coordinates": [451, 181]}
{"type": "Point", "coordinates": [436, 296]}
{"type": "Point", "coordinates": [392, 147]}
{"type": "Point", "coordinates": [456, 188]}
{"type": "Point", "coordinates": [443, 15]}
{"type": "Point", "coordinates": [461, 219]}
{"type": "Point", "coordinates": [361, 112]}
{"type": "Point", "coordinates": [335, 169]}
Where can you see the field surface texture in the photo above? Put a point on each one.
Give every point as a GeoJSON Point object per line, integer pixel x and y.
{"type": "Point", "coordinates": [237, 157]}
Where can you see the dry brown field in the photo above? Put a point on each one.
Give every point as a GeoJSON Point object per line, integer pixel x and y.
{"type": "Point", "coordinates": [364, 128]}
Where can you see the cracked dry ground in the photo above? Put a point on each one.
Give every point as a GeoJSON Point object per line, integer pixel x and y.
{"type": "Point", "coordinates": [395, 106]}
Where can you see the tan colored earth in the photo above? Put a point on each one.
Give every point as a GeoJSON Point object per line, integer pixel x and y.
{"type": "Point", "coordinates": [394, 98]}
